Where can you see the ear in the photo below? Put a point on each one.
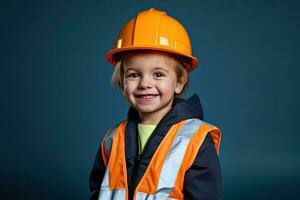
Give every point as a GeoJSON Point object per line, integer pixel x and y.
{"type": "Point", "coordinates": [179, 88]}
{"type": "Point", "coordinates": [181, 83]}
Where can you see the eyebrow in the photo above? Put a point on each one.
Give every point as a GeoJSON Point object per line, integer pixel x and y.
{"type": "Point", "coordinates": [128, 69]}
{"type": "Point", "coordinates": [156, 68]}
{"type": "Point", "coordinates": [163, 69]}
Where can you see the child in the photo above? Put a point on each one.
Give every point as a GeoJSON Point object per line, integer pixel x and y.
{"type": "Point", "coordinates": [163, 150]}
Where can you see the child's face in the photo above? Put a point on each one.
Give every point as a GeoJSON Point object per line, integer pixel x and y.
{"type": "Point", "coordinates": [150, 82]}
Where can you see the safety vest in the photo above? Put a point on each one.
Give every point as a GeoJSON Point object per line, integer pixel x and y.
{"type": "Point", "coordinates": [164, 177]}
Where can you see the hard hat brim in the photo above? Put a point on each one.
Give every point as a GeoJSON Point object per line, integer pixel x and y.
{"type": "Point", "coordinates": [114, 55]}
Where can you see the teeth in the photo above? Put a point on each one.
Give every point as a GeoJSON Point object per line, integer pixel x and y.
{"type": "Point", "coordinates": [148, 96]}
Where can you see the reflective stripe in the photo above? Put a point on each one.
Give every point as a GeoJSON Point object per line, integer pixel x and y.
{"type": "Point", "coordinates": [109, 139]}
{"type": "Point", "coordinates": [112, 188]}
{"type": "Point", "coordinates": [105, 181]}
{"type": "Point", "coordinates": [105, 192]}
{"type": "Point", "coordinates": [175, 156]}
{"type": "Point", "coordinates": [144, 196]}
{"type": "Point", "coordinates": [117, 194]}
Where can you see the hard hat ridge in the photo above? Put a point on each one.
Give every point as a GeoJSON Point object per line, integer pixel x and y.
{"type": "Point", "coordinates": [154, 30]}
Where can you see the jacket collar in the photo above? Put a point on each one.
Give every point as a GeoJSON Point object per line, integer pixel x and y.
{"type": "Point", "coordinates": [181, 109]}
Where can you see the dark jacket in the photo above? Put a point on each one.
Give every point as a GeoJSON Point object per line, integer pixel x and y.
{"type": "Point", "coordinates": [203, 181]}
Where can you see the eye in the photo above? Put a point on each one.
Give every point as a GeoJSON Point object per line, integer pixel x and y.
{"type": "Point", "coordinates": [132, 75]}
{"type": "Point", "coordinates": [158, 74]}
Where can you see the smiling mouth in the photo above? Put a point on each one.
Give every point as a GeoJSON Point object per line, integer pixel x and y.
{"type": "Point", "coordinates": [146, 98]}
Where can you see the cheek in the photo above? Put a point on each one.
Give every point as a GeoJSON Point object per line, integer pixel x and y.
{"type": "Point", "coordinates": [167, 87]}
{"type": "Point", "coordinates": [127, 89]}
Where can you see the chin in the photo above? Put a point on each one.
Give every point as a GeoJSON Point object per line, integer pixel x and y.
{"type": "Point", "coordinates": [147, 110]}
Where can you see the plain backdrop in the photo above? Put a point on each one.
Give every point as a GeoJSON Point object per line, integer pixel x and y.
{"type": "Point", "coordinates": [57, 100]}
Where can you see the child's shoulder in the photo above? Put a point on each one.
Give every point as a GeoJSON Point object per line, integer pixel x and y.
{"type": "Point", "coordinates": [113, 129]}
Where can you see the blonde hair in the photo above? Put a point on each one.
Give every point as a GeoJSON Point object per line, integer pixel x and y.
{"type": "Point", "coordinates": [181, 73]}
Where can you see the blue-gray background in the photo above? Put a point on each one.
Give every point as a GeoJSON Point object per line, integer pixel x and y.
{"type": "Point", "coordinates": [57, 100]}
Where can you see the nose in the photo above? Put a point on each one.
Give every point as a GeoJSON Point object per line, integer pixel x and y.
{"type": "Point", "coordinates": [145, 82]}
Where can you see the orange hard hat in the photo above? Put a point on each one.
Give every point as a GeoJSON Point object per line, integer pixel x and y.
{"type": "Point", "coordinates": [154, 30]}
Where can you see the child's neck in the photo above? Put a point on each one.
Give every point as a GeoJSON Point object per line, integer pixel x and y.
{"type": "Point", "coordinates": [153, 118]}
{"type": "Point", "coordinates": [149, 119]}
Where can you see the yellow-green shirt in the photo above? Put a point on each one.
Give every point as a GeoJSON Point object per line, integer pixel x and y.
{"type": "Point", "coordinates": [145, 131]}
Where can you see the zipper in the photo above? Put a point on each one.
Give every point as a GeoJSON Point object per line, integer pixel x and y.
{"type": "Point", "coordinates": [137, 164]}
